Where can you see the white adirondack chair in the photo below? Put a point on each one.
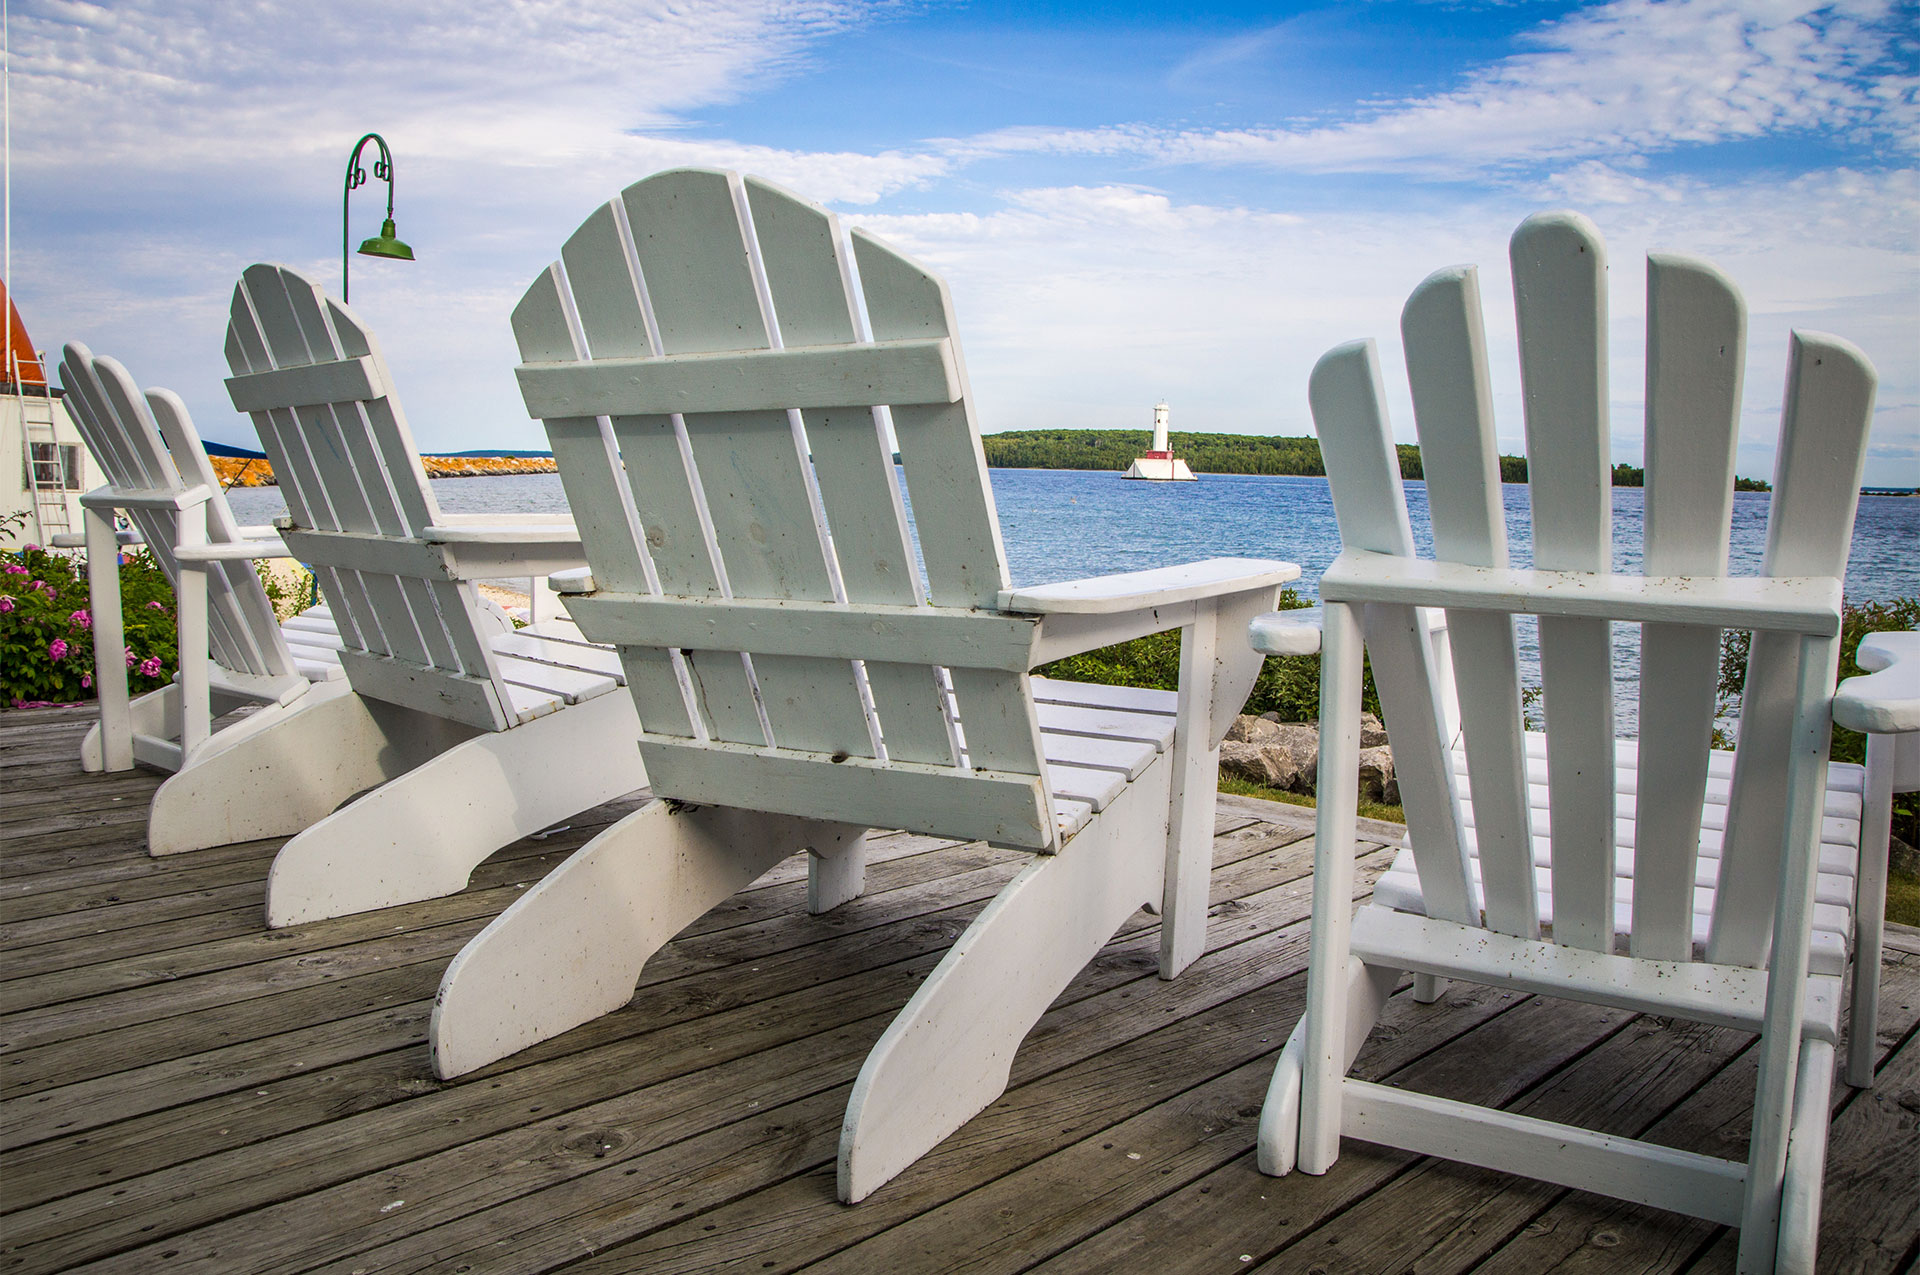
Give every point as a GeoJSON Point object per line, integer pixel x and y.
{"type": "Point", "coordinates": [718, 420]}
{"type": "Point", "coordinates": [232, 649]}
{"type": "Point", "coordinates": [460, 734]}
{"type": "Point", "coordinates": [1576, 865]}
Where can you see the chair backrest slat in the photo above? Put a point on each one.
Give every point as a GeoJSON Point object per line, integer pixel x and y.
{"type": "Point", "coordinates": [959, 529]}
{"type": "Point", "coordinates": [1816, 485]}
{"type": "Point", "coordinates": [1369, 504]}
{"type": "Point", "coordinates": [305, 443]}
{"type": "Point", "coordinates": [459, 637]}
{"type": "Point", "coordinates": [1560, 301]}
{"type": "Point", "coordinates": [752, 473]}
{"type": "Point", "coordinates": [801, 253]}
{"type": "Point", "coordinates": [349, 465]}
{"type": "Point", "coordinates": [237, 603]}
{"type": "Point", "coordinates": [125, 432]}
{"type": "Point", "coordinates": [781, 504]}
{"type": "Point", "coordinates": [1446, 350]}
{"type": "Point", "coordinates": [663, 487]}
{"type": "Point", "coordinates": [586, 452]}
{"type": "Point", "coordinates": [1696, 355]}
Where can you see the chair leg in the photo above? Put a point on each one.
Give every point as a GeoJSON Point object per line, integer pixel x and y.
{"type": "Point", "coordinates": [836, 874]}
{"type": "Point", "coordinates": [1325, 1025]}
{"type": "Point", "coordinates": [572, 947]}
{"type": "Point", "coordinates": [276, 778]}
{"type": "Point", "coordinates": [150, 714]}
{"type": "Point", "coordinates": [421, 833]}
{"type": "Point", "coordinates": [1428, 987]}
{"type": "Point", "coordinates": [1278, 1142]}
{"type": "Point", "coordinates": [949, 1052]}
{"type": "Point", "coordinates": [1870, 907]}
{"type": "Point", "coordinates": [1806, 1161]}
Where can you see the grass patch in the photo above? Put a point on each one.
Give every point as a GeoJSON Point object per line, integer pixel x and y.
{"type": "Point", "coordinates": [1247, 788]}
{"type": "Point", "coordinates": [1903, 897]}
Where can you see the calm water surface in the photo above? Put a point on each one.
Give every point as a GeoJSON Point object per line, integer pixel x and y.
{"type": "Point", "coordinates": [1066, 524]}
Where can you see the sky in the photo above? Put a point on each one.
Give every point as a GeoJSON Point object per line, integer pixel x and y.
{"type": "Point", "coordinates": [1130, 202]}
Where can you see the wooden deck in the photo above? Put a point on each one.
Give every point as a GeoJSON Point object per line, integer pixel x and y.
{"type": "Point", "coordinates": [181, 1090]}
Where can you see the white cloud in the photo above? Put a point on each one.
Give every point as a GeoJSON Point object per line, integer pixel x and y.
{"type": "Point", "coordinates": [1081, 307]}
{"type": "Point", "coordinates": [161, 146]}
{"type": "Point", "coordinates": [1627, 78]}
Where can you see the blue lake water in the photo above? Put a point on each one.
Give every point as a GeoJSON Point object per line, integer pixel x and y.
{"type": "Point", "coordinates": [1066, 524]}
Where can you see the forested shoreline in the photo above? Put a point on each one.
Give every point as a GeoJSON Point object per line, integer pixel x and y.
{"type": "Point", "coordinates": [1115, 449]}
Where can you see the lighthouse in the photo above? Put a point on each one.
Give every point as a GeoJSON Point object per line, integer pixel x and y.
{"type": "Point", "coordinates": [1160, 464]}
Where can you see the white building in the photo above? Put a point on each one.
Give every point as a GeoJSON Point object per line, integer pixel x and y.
{"type": "Point", "coordinates": [1160, 465]}
{"type": "Point", "coordinates": [44, 464]}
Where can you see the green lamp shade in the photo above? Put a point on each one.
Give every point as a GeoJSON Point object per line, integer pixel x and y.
{"type": "Point", "coordinates": [385, 245]}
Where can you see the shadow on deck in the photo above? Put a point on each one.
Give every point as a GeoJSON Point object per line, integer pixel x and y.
{"type": "Point", "coordinates": [181, 1090]}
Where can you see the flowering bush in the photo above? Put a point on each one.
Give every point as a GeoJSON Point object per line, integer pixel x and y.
{"type": "Point", "coordinates": [46, 645]}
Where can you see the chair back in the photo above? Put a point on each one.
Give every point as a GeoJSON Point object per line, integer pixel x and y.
{"type": "Point", "coordinates": [1553, 859]}
{"type": "Point", "coordinates": [720, 413]}
{"type": "Point", "coordinates": [312, 378]}
{"type": "Point", "coordinates": [125, 431]}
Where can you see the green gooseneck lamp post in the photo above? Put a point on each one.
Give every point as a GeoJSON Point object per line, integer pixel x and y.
{"type": "Point", "coordinates": [383, 244]}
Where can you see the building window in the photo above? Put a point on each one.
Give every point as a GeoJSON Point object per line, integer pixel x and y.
{"type": "Point", "coordinates": [57, 466]}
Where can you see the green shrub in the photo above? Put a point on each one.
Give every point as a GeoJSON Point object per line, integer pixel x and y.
{"type": "Point", "coordinates": [46, 626]}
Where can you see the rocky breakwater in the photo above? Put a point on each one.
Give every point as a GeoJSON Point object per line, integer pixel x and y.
{"type": "Point", "coordinates": [250, 471]}
{"type": "Point", "coordinates": [1286, 755]}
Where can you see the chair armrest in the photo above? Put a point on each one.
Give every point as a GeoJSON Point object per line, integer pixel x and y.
{"type": "Point", "coordinates": [1084, 615]}
{"type": "Point", "coordinates": [505, 520]}
{"type": "Point", "coordinates": [1286, 632]}
{"type": "Point", "coordinates": [231, 550]}
{"type": "Point", "coordinates": [78, 540]}
{"type": "Point", "coordinates": [1142, 590]}
{"type": "Point", "coordinates": [1886, 701]}
{"type": "Point", "coordinates": [104, 498]}
{"type": "Point", "coordinates": [502, 531]}
{"type": "Point", "coordinates": [259, 531]}
{"type": "Point", "coordinates": [494, 548]}
{"type": "Point", "coordinates": [1297, 632]}
{"type": "Point", "coordinates": [576, 580]}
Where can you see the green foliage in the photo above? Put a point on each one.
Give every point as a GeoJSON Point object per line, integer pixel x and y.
{"type": "Point", "coordinates": [1287, 686]}
{"type": "Point", "coordinates": [1634, 476]}
{"type": "Point", "coordinates": [1115, 449]}
{"type": "Point", "coordinates": [290, 592]}
{"type": "Point", "coordinates": [1857, 619]}
{"type": "Point", "coordinates": [46, 625]}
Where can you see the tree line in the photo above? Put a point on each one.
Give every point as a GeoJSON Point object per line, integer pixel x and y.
{"type": "Point", "coordinates": [1115, 449]}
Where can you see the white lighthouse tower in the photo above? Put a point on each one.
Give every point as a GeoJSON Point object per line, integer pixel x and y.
{"type": "Point", "coordinates": [1160, 464]}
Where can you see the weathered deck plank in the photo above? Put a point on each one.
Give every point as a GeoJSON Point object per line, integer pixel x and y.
{"type": "Point", "coordinates": [182, 1091]}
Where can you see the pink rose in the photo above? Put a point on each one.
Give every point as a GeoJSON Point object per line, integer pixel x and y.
{"type": "Point", "coordinates": [81, 618]}
{"type": "Point", "coordinates": [6, 603]}
{"type": "Point", "coordinates": [130, 657]}
{"type": "Point", "coordinates": [30, 549]}
{"type": "Point", "coordinates": [15, 569]}
{"type": "Point", "coordinates": [86, 681]}
{"type": "Point", "coordinates": [150, 667]}
{"type": "Point", "coordinates": [38, 584]}
{"type": "Point", "coordinates": [155, 606]}
{"type": "Point", "coordinates": [57, 650]}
